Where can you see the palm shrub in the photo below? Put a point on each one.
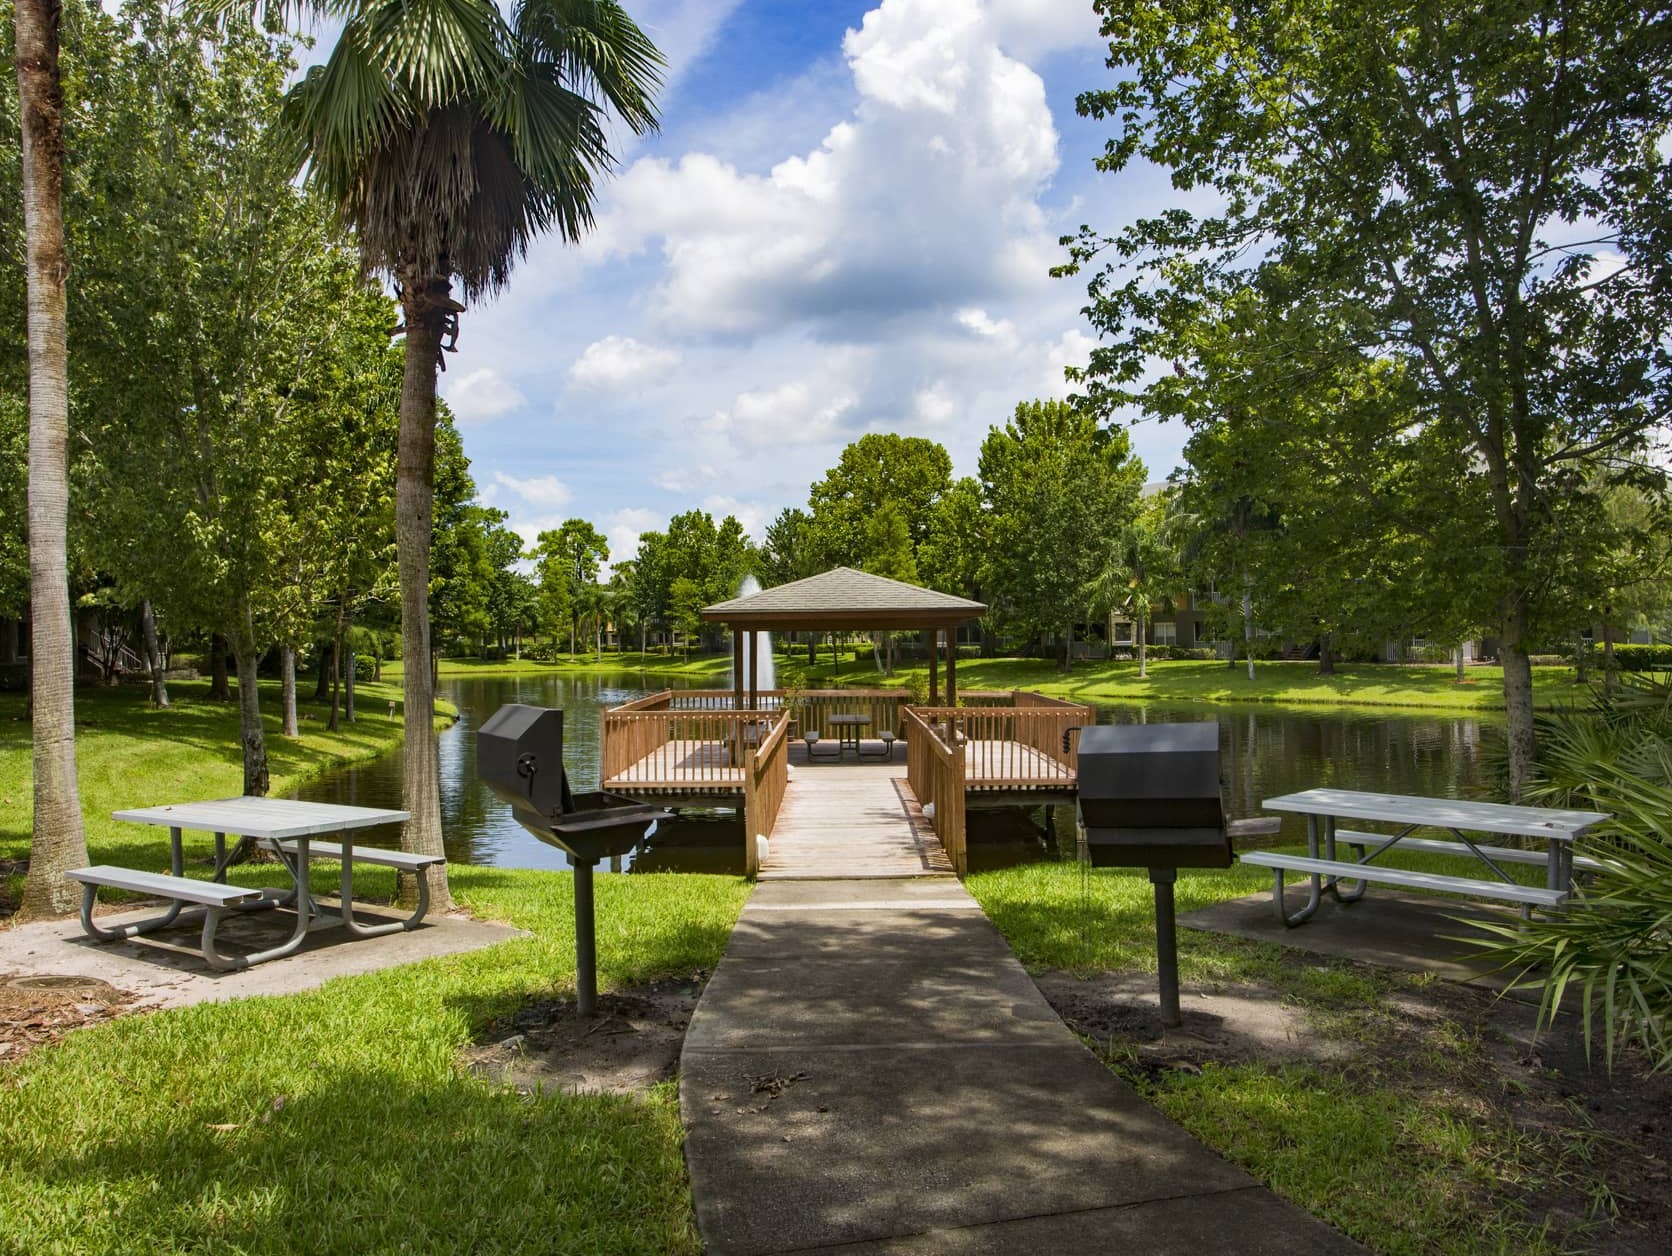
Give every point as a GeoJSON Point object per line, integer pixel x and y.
{"type": "Point", "coordinates": [1613, 946]}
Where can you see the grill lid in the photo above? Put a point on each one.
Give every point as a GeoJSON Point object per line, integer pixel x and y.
{"type": "Point", "coordinates": [519, 755]}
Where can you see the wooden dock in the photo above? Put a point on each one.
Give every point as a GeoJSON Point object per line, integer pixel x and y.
{"type": "Point", "coordinates": [852, 821]}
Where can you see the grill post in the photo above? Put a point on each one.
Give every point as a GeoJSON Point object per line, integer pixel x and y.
{"type": "Point", "coordinates": [586, 945]}
{"type": "Point", "coordinates": [1166, 945]}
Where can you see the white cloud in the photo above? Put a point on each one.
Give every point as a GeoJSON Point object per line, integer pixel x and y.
{"type": "Point", "coordinates": [982, 324]}
{"type": "Point", "coordinates": [622, 528]}
{"type": "Point", "coordinates": [754, 516]}
{"type": "Point", "coordinates": [924, 196]}
{"type": "Point", "coordinates": [1073, 348]}
{"type": "Point", "coordinates": [537, 490]}
{"type": "Point", "coordinates": [684, 479]}
{"type": "Point", "coordinates": [616, 361]}
{"type": "Point", "coordinates": [481, 395]}
{"type": "Point", "coordinates": [935, 404]}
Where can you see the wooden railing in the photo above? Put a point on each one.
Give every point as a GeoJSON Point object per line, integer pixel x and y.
{"type": "Point", "coordinates": [682, 748]}
{"type": "Point", "coordinates": [1011, 747]}
{"type": "Point", "coordinates": [935, 772]}
{"type": "Point", "coordinates": [721, 699]}
{"type": "Point", "coordinates": [884, 707]}
{"type": "Point", "coordinates": [765, 778]}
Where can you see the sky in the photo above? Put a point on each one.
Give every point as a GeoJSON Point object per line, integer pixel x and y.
{"type": "Point", "coordinates": [844, 225]}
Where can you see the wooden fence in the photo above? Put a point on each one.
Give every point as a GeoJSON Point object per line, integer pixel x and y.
{"type": "Point", "coordinates": [682, 749]}
{"type": "Point", "coordinates": [1012, 747]}
{"type": "Point", "coordinates": [935, 772]}
{"type": "Point", "coordinates": [765, 778]}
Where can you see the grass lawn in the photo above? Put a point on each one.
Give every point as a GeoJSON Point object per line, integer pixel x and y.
{"type": "Point", "coordinates": [1278, 681]}
{"type": "Point", "coordinates": [1394, 1145]}
{"type": "Point", "coordinates": [712, 669]}
{"type": "Point", "coordinates": [339, 1120]}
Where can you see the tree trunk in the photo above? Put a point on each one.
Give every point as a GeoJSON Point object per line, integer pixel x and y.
{"type": "Point", "coordinates": [1143, 648]}
{"type": "Point", "coordinates": [219, 688]}
{"type": "Point", "coordinates": [1518, 699]}
{"type": "Point", "coordinates": [153, 655]}
{"type": "Point", "coordinates": [812, 649]}
{"type": "Point", "coordinates": [1457, 661]}
{"type": "Point", "coordinates": [1326, 655]}
{"type": "Point", "coordinates": [322, 681]}
{"type": "Point", "coordinates": [250, 733]}
{"type": "Point", "coordinates": [1581, 658]}
{"type": "Point", "coordinates": [287, 688]}
{"type": "Point", "coordinates": [1607, 650]}
{"type": "Point", "coordinates": [422, 298]}
{"type": "Point", "coordinates": [1248, 624]}
{"type": "Point", "coordinates": [58, 841]}
{"type": "Point", "coordinates": [1067, 661]}
{"type": "Point", "coordinates": [348, 685]}
{"type": "Point", "coordinates": [332, 725]}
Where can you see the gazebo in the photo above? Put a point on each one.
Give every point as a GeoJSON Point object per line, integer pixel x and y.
{"type": "Point", "coordinates": [844, 599]}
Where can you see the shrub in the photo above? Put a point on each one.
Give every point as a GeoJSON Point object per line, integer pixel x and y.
{"type": "Point", "coordinates": [1612, 945]}
{"type": "Point", "coordinates": [1637, 658]}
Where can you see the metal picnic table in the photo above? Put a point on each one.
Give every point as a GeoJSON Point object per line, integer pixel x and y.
{"type": "Point", "coordinates": [1322, 808]}
{"type": "Point", "coordinates": [286, 827]}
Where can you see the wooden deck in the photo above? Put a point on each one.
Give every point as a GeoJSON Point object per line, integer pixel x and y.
{"type": "Point", "coordinates": [708, 767]}
{"type": "Point", "coordinates": [852, 821]}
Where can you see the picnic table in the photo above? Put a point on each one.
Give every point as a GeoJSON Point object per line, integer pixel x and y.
{"type": "Point", "coordinates": [847, 731]}
{"type": "Point", "coordinates": [285, 827]}
{"type": "Point", "coordinates": [1326, 872]}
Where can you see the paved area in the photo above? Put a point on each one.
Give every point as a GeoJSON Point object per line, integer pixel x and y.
{"type": "Point", "coordinates": [163, 970]}
{"type": "Point", "coordinates": [1418, 933]}
{"type": "Point", "coordinates": [855, 821]}
{"type": "Point", "coordinates": [870, 1069]}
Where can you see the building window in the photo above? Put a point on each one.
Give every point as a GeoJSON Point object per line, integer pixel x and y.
{"type": "Point", "coordinates": [1164, 632]}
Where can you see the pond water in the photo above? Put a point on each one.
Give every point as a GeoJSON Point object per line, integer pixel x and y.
{"type": "Point", "coordinates": [1266, 752]}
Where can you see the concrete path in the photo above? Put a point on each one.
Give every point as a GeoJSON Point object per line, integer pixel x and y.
{"type": "Point", "coordinates": [164, 969]}
{"type": "Point", "coordinates": [871, 1070]}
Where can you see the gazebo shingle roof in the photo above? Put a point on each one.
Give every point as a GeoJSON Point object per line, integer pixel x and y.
{"type": "Point", "coordinates": [845, 598]}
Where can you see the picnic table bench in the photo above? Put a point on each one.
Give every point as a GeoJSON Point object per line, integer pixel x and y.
{"type": "Point", "coordinates": [1327, 873]}
{"type": "Point", "coordinates": [284, 826]}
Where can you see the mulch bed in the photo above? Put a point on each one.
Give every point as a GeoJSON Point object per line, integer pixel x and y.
{"type": "Point", "coordinates": [41, 1009]}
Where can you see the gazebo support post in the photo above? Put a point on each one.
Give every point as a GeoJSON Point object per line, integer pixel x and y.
{"type": "Point", "coordinates": [951, 667]}
{"type": "Point", "coordinates": [934, 667]}
{"type": "Point", "coordinates": [754, 670]}
{"type": "Point", "coordinates": [737, 668]}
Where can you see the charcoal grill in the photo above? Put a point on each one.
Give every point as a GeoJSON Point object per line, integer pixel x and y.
{"type": "Point", "coordinates": [1148, 797]}
{"type": "Point", "coordinates": [519, 756]}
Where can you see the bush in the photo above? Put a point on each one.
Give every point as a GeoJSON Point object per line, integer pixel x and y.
{"type": "Point", "coordinates": [1611, 946]}
{"type": "Point", "coordinates": [365, 667]}
{"type": "Point", "coordinates": [1636, 658]}
{"type": "Point", "coordinates": [493, 654]}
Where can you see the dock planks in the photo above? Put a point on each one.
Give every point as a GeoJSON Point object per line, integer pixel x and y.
{"type": "Point", "coordinates": [852, 821]}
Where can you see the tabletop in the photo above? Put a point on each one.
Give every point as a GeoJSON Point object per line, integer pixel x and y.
{"type": "Point", "coordinates": [1442, 813]}
{"type": "Point", "coordinates": [855, 720]}
{"type": "Point", "coordinates": [275, 818]}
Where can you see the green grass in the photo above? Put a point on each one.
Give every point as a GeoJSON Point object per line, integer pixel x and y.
{"type": "Point", "coordinates": [131, 755]}
{"type": "Point", "coordinates": [1282, 682]}
{"type": "Point", "coordinates": [1389, 1146]}
{"type": "Point", "coordinates": [340, 1120]}
{"type": "Point", "coordinates": [705, 668]}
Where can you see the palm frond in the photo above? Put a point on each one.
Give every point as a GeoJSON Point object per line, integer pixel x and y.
{"type": "Point", "coordinates": [598, 51]}
{"type": "Point", "coordinates": [439, 51]}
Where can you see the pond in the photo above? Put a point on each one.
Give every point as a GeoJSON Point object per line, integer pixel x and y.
{"type": "Point", "coordinates": [1267, 751]}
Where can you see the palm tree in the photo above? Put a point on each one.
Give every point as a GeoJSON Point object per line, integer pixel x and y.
{"type": "Point", "coordinates": [1136, 576]}
{"type": "Point", "coordinates": [449, 136]}
{"type": "Point", "coordinates": [58, 842]}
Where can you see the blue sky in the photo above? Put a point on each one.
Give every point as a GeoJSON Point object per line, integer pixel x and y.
{"type": "Point", "coordinates": [843, 226]}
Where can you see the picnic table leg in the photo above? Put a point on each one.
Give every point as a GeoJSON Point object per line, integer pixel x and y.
{"type": "Point", "coordinates": [150, 924]}
{"type": "Point", "coordinates": [1313, 898]}
{"type": "Point", "coordinates": [371, 931]}
{"type": "Point", "coordinates": [1335, 882]}
{"type": "Point", "coordinates": [304, 915]}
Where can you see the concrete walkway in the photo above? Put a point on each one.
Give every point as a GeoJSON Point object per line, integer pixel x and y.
{"type": "Point", "coordinates": [871, 1070]}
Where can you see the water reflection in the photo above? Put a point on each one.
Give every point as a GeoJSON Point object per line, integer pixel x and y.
{"type": "Point", "coordinates": [1265, 752]}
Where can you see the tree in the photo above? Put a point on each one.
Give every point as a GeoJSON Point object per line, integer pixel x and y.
{"type": "Point", "coordinates": [1138, 575]}
{"type": "Point", "coordinates": [1053, 481]}
{"type": "Point", "coordinates": [686, 603]}
{"type": "Point", "coordinates": [448, 138]}
{"type": "Point", "coordinates": [569, 557]}
{"type": "Point", "coordinates": [909, 473]}
{"type": "Point", "coordinates": [1446, 182]}
{"type": "Point", "coordinates": [58, 842]}
{"type": "Point", "coordinates": [788, 552]}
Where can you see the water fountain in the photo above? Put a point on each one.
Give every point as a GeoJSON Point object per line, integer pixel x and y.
{"type": "Point", "coordinates": [766, 676]}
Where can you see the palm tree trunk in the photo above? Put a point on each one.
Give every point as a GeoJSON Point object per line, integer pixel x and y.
{"type": "Point", "coordinates": [422, 298]}
{"type": "Point", "coordinates": [1143, 646]}
{"type": "Point", "coordinates": [336, 667]}
{"type": "Point", "coordinates": [1248, 623]}
{"type": "Point", "coordinates": [250, 733]}
{"type": "Point", "coordinates": [287, 689]}
{"type": "Point", "coordinates": [219, 690]}
{"type": "Point", "coordinates": [153, 655]}
{"type": "Point", "coordinates": [58, 842]}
